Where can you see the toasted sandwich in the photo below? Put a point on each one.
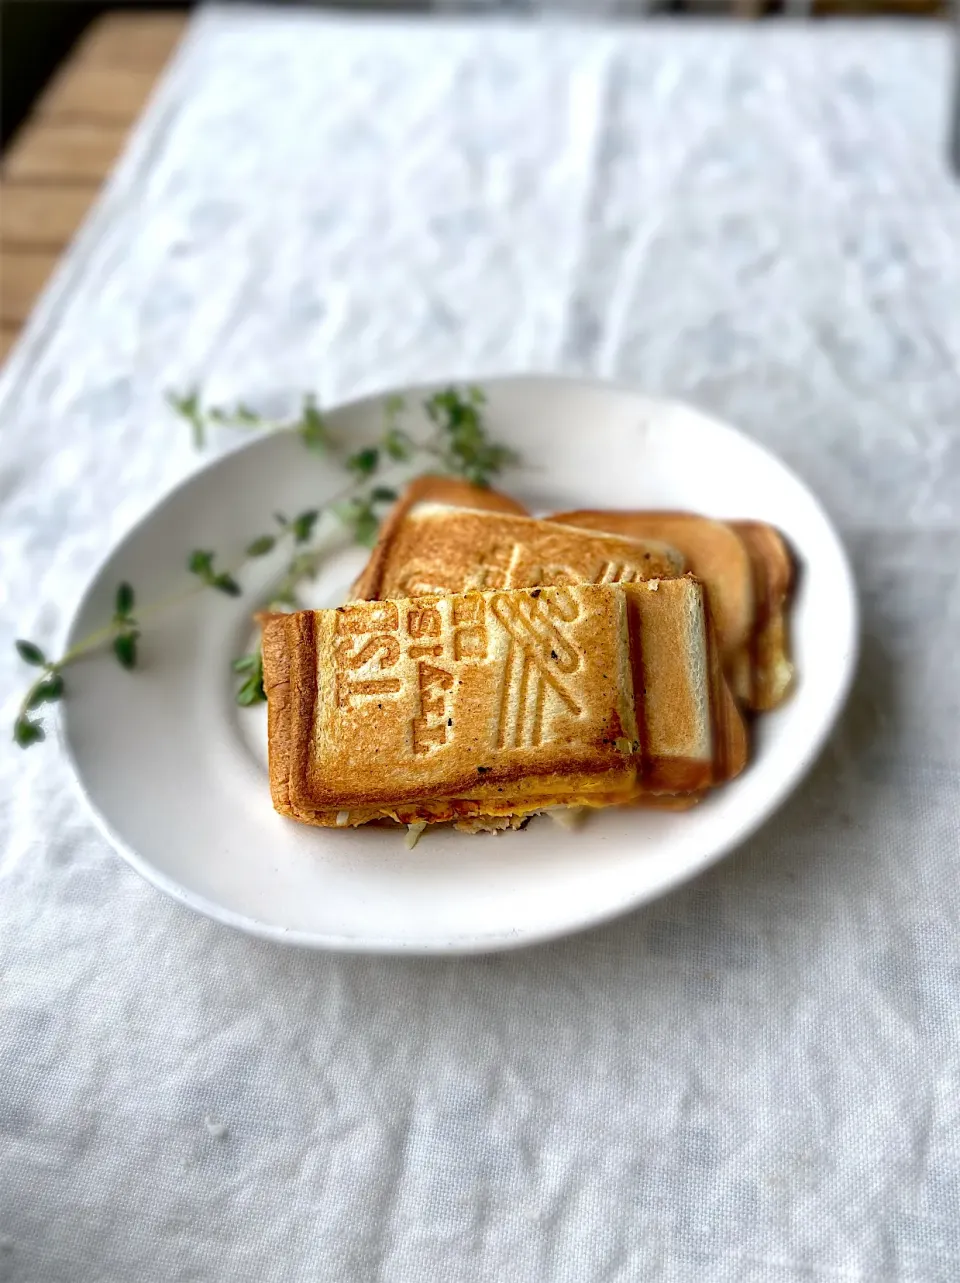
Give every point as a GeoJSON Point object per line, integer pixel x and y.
{"type": "Point", "coordinates": [447, 707]}
{"type": "Point", "coordinates": [433, 547]}
{"type": "Point", "coordinates": [486, 707]}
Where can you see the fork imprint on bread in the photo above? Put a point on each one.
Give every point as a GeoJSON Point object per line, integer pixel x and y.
{"type": "Point", "coordinates": [538, 658]}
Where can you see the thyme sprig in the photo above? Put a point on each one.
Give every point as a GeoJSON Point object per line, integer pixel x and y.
{"type": "Point", "coordinates": [310, 424]}
{"type": "Point", "coordinates": [49, 687]}
{"type": "Point", "coordinates": [458, 444]}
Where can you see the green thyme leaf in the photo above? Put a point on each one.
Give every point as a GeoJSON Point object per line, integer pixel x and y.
{"type": "Point", "coordinates": [364, 462]}
{"type": "Point", "coordinates": [465, 446]}
{"type": "Point", "coordinates": [251, 690]}
{"type": "Point", "coordinates": [47, 692]}
{"type": "Point", "coordinates": [358, 516]}
{"type": "Point", "coordinates": [26, 732]}
{"type": "Point", "coordinates": [261, 546]}
{"type": "Point", "coordinates": [188, 407]}
{"type": "Point", "coordinates": [226, 584]}
{"type": "Point", "coordinates": [398, 445]}
{"type": "Point", "coordinates": [200, 563]}
{"type": "Point", "coordinates": [30, 653]}
{"type": "Point", "coordinates": [303, 524]}
{"type": "Point", "coordinates": [241, 416]}
{"type": "Point", "coordinates": [125, 649]}
{"type": "Point", "coordinates": [125, 600]}
{"type": "Point", "coordinates": [383, 494]}
{"type": "Point", "coordinates": [312, 427]}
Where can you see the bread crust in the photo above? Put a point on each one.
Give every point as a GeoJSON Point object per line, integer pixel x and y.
{"type": "Point", "coordinates": [774, 576]}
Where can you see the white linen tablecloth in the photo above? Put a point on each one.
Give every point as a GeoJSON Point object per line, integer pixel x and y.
{"type": "Point", "coordinates": [757, 1078]}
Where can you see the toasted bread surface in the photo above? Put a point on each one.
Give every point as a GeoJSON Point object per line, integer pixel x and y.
{"type": "Point", "coordinates": [427, 489]}
{"type": "Point", "coordinates": [435, 548]}
{"type": "Point", "coordinates": [479, 696]}
{"type": "Point", "coordinates": [713, 552]}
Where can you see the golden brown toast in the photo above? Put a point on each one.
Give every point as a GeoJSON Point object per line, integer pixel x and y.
{"type": "Point", "coordinates": [438, 548]}
{"type": "Point", "coordinates": [771, 667]}
{"type": "Point", "coordinates": [429, 489]}
{"type": "Point", "coordinates": [438, 707]}
{"type": "Point", "coordinates": [497, 704]}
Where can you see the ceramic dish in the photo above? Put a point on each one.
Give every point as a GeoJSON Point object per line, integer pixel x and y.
{"type": "Point", "coordinates": [176, 773]}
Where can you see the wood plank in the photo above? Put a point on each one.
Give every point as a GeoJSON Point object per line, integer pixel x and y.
{"type": "Point", "coordinates": [23, 274]}
{"type": "Point", "coordinates": [139, 41]}
{"type": "Point", "coordinates": [42, 216]}
{"type": "Point", "coordinates": [58, 159]}
{"type": "Point", "coordinates": [46, 151]}
{"type": "Point", "coordinates": [8, 336]}
{"type": "Point", "coordinates": [82, 92]}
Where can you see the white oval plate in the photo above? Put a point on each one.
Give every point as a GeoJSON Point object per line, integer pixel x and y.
{"type": "Point", "coordinates": [176, 773]}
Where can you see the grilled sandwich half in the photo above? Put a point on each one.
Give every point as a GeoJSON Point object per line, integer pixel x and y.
{"type": "Point", "coordinates": [486, 707]}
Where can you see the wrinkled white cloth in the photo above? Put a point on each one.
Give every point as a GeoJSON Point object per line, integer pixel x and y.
{"type": "Point", "coordinates": [757, 1078]}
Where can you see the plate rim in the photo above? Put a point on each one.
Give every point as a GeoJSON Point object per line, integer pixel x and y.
{"type": "Point", "coordinates": [473, 942]}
